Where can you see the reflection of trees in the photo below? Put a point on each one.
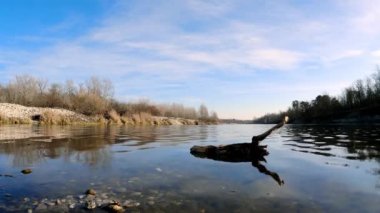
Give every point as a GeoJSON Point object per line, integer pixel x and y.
{"type": "Point", "coordinates": [359, 142]}
{"type": "Point", "coordinates": [141, 136]}
{"type": "Point", "coordinates": [85, 144]}
{"type": "Point", "coordinates": [22, 153]}
{"type": "Point", "coordinates": [88, 144]}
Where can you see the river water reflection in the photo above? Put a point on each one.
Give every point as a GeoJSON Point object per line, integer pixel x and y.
{"type": "Point", "coordinates": [324, 168]}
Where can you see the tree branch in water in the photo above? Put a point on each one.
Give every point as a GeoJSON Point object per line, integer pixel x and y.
{"type": "Point", "coordinates": [256, 139]}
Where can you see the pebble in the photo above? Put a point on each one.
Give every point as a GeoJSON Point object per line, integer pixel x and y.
{"type": "Point", "coordinates": [89, 201]}
{"type": "Point", "coordinates": [50, 203]}
{"type": "Point", "coordinates": [58, 202]}
{"type": "Point", "coordinates": [115, 207]}
{"type": "Point", "coordinates": [41, 206]}
{"type": "Point", "coordinates": [90, 204]}
{"type": "Point", "coordinates": [26, 171]}
{"type": "Point", "coordinates": [131, 203]}
{"type": "Point", "coordinates": [91, 192]}
{"type": "Point", "coordinates": [136, 194]}
{"type": "Point", "coordinates": [104, 196]}
{"type": "Point", "coordinates": [99, 201]}
{"type": "Point", "coordinates": [90, 197]}
{"type": "Point", "coordinates": [122, 190]}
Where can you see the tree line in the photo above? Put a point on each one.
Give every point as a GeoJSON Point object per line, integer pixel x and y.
{"type": "Point", "coordinates": [360, 100]}
{"type": "Point", "coordinates": [94, 96]}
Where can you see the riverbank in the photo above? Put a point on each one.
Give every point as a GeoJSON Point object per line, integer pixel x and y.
{"type": "Point", "coordinates": [18, 114]}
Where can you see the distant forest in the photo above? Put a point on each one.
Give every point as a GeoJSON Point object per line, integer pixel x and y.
{"type": "Point", "coordinates": [357, 103]}
{"type": "Point", "coordinates": [93, 97]}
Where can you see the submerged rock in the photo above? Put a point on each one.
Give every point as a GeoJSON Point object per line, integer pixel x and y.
{"type": "Point", "coordinates": [91, 192]}
{"type": "Point", "coordinates": [26, 171]}
{"type": "Point", "coordinates": [90, 204]}
{"type": "Point", "coordinates": [131, 203]}
{"type": "Point", "coordinates": [115, 207]}
{"type": "Point", "coordinates": [41, 206]}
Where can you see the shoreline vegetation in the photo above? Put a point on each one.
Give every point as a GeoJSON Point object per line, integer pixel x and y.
{"type": "Point", "coordinates": [18, 114]}
{"type": "Point", "coordinates": [29, 100]}
{"type": "Point", "coordinates": [359, 103]}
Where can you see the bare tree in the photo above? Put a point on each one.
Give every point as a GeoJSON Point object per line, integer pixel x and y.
{"type": "Point", "coordinates": [203, 111]}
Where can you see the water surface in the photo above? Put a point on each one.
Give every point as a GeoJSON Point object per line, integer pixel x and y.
{"type": "Point", "coordinates": [324, 168]}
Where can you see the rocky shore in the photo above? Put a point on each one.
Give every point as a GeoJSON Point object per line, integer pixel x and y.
{"type": "Point", "coordinates": [89, 200]}
{"type": "Point", "coordinates": [17, 114]}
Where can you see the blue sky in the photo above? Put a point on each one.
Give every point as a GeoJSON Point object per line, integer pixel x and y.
{"type": "Point", "coordinates": [242, 58]}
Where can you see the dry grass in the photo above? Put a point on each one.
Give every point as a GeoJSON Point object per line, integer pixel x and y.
{"type": "Point", "coordinates": [99, 119]}
{"type": "Point", "coordinates": [136, 118]}
{"type": "Point", "coordinates": [126, 120]}
{"type": "Point", "coordinates": [2, 118]}
{"type": "Point", "coordinates": [6, 120]}
{"type": "Point", "coordinates": [114, 117]}
{"type": "Point", "coordinates": [50, 118]}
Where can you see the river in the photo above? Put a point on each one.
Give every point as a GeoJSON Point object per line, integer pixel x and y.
{"type": "Point", "coordinates": [323, 168]}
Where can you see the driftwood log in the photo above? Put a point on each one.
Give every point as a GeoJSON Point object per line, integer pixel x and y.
{"type": "Point", "coordinates": [242, 152]}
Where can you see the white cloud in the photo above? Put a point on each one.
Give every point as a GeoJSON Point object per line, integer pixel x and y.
{"type": "Point", "coordinates": [376, 53]}
{"type": "Point", "coordinates": [345, 55]}
{"type": "Point", "coordinates": [274, 58]}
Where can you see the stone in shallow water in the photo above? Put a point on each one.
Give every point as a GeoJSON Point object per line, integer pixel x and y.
{"type": "Point", "coordinates": [91, 192]}
{"type": "Point", "coordinates": [131, 203]}
{"type": "Point", "coordinates": [90, 204]}
{"type": "Point", "coordinates": [136, 194]}
{"type": "Point", "coordinates": [90, 197]}
{"type": "Point", "coordinates": [115, 207]}
{"type": "Point", "coordinates": [41, 206]}
{"type": "Point", "coordinates": [26, 171]}
{"type": "Point", "coordinates": [50, 203]}
{"type": "Point", "coordinates": [122, 189]}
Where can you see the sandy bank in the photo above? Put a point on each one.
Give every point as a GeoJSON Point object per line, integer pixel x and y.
{"type": "Point", "coordinates": [18, 114]}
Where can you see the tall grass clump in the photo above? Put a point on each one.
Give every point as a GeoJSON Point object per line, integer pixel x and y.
{"type": "Point", "coordinates": [51, 118]}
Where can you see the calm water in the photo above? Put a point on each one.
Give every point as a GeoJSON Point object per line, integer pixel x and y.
{"type": "Point", "coordinates": [324, 168]}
